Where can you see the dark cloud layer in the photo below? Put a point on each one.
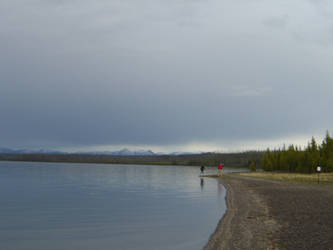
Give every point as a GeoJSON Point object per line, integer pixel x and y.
{"type": "Point", "coordinates": [80, 73]}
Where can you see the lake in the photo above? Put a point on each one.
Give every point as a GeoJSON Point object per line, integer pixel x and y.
{"type": "Point", "coordinates": [68, 206]}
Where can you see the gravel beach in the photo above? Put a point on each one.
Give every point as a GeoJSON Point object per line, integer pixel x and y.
{"type": "Point", "coordinates": [267, 214]}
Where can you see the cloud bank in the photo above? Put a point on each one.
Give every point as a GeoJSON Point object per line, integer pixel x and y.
{"type": "Point", "coordinates": [163, 73]}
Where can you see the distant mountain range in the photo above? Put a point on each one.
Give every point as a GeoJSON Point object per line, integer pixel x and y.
{"type": "Point", "coordinates": [125, 152]}
{"type": "Point", "coordinates": [28, 151]}
{"type": "Point", "coordinates": [122, 152]}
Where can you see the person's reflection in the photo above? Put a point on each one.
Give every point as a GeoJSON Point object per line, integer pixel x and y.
{"type": "Point", "coordinates": [202, 183]}
{"type": "Point", "coordinates": [219, 190]}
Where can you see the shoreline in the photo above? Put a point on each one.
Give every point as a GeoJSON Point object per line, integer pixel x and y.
{"type": "Point", "coordinates": [269, 214]}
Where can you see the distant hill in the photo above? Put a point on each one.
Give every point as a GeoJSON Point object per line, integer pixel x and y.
{"type": "Point", "coordinates": [28, 151]}
{"type": "Point", "coordinates": [124, 152]}
{"type": "Point", "coordinates": [139, 157]}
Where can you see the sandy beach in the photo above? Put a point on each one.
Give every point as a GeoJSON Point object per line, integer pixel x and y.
{"type": "Point", "coordinates": [268, 214]}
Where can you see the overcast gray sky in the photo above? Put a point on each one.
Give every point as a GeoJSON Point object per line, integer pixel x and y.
{"type": "Point", "coordinates": [166, 75]}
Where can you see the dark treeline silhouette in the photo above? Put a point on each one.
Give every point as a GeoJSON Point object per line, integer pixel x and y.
{"type": "Point", "coordinates": [295, 159]}
{"type": "Point", "coordinates": [206, 159]}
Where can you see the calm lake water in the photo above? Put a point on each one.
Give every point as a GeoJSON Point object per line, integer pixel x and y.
{"type": "Point", "coordinates": [65, 206]}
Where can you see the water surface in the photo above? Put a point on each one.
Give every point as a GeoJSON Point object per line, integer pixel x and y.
{"type": "Point", "coordinates": [95, 206]}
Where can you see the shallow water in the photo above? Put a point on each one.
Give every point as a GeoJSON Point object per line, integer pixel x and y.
{"type": "Point", "coordinates": [95, 206]}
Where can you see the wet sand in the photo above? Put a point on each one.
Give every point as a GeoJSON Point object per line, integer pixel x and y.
{"type": "Point", "coordinates": [267, 214]}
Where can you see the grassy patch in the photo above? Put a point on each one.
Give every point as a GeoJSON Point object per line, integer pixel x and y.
{"type": "Point", "coordinates": [324, 178]}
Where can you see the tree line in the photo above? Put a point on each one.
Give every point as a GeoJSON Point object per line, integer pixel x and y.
{"type": "Point", "coordinates": [295, 159]}
{"type": "Point", "coordinates": [240, 160]}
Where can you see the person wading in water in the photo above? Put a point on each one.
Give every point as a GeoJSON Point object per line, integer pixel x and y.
{"type": "Point", "coordinates": [202, 169]}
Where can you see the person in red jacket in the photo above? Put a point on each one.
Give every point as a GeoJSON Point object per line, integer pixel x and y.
{"type": "Point", "coordinates": [219, 168]}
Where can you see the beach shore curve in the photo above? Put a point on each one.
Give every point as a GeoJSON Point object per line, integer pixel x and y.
{"type": "Point", "coordinates": [269, 214]}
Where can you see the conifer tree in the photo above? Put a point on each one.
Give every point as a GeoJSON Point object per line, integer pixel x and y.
{"type": "Point", "coordinates": [252, 166]}
{"type": "Point", "coordinates": [294, 159]}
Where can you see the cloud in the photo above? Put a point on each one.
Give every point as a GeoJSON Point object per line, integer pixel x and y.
{"type": "Point", "coordinates": [249, 91]}
{"type": "Point", "coordinates": [96, 73]}
{"type": "Point", "coordinates": [276, 22]}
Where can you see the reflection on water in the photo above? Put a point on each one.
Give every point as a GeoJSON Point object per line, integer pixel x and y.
{"type": "Point", "coordinates": [202, 183]}
{"type": "Point", "coordinates": [220, 190]}
{"type": "Point", "coordinates": [89, 206]}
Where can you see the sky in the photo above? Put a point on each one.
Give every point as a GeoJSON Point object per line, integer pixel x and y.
{"type": "Point", "coordinates": [176, 75]}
